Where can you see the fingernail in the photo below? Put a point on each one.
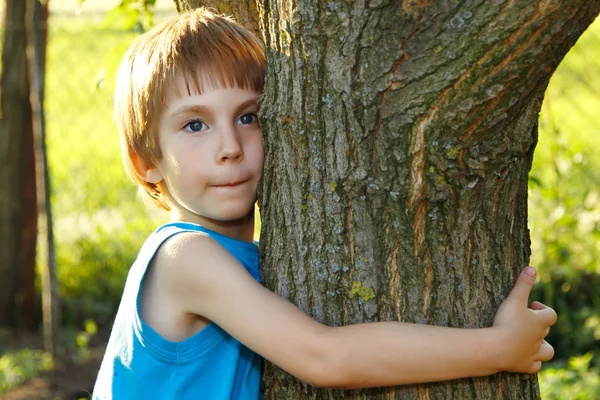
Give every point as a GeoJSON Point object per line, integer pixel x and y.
{"type": "Point", "coordinates": [530, 271]}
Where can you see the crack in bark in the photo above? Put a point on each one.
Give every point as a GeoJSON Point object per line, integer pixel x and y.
{"type": "Point", "coordinates": [394, 281]}
{"type": "Point", "coordinates": [509, 4]}
{"type": "Point", "coordinates": [469, 258]}
{"type": "Point", "coordinates": [390, 393]}
{"type": "Point", "coordinates": [350, 237]}
{"type": "Point", "coordinates": [419, 229]}
{"type": "Point", "coordinates": [427, 291]}
{"type": "Point", "coordinates": [515, 53]}
{"type": "Point", "coordinates": [473, 127]}
{"type": "Point", "coordinates": [451, 219]}
{"type": "Point", "coordinates": [501, 388]}
{"type": "Point", "coordinates": [423, 392]}
{"type": "Point", "coordinates": [417, 181]}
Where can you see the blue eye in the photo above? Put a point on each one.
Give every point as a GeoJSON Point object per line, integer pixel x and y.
{"type": "Point", "coordinates": [247, 119]}
{"type": "Point", "coordinates": [195, 126]}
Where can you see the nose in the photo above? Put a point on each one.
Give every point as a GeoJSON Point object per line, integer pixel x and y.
{"type": "Point", "coordinates": [231, 146]}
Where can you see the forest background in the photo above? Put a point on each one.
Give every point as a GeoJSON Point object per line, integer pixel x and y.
{"type": "Point", "coordinates": [100, 221]}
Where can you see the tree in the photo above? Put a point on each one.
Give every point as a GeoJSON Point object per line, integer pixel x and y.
{"type": "Point", "coordinates": [15, 114]}
{"type": "Point", "coordinates": [36, 46]}
{"type": "Point", "coordinates": [398, 137]}
{"type": "Point", "coordinates": [26, 298]}
{"type": "Point", "coordinates": [18, 203]}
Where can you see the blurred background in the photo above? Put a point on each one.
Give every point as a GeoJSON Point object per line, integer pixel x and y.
{"type": "Point", "coordinates": [99, 221]}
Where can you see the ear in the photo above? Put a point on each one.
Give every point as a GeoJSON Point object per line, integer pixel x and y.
{"type": "Point", "coordinates": [145, 171]}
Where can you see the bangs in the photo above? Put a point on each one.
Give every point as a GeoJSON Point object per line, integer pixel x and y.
{"type": "Point", "coordinates": [214, 51]}
{"type": "Point", "coordinates": [226, 72]}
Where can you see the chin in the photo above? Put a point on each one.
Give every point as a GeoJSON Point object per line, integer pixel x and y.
{"type": "Point", "coordinates": [235, 214]}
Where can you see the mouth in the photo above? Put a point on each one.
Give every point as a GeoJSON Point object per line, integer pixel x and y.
{"type": "Point", "coordinates": [231, 184]}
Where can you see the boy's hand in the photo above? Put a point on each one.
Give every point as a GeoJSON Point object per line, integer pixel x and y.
{"type": "Point", "coordinates": [521, 330]}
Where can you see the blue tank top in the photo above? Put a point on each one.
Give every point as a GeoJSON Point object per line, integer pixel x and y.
{"type": "Point", "coordinates": [140, 364]}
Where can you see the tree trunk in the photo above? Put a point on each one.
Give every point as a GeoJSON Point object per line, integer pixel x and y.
{"type": "Point", "coordinates": [26, 296]}
{"type": "Point", "coordinates": [398, 138]}
{"type": "Point", "coordinates": [14, 102]}
{"type": "Point", "coordinates": [50, 300]}
{"type": "Point", "coordinates": [25, 300]}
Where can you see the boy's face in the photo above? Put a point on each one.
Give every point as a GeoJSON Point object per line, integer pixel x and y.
{"type": "Point", "coordinates": [212, 151]}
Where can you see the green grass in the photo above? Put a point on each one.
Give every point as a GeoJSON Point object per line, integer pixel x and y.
{"type": "Point", "coordinates": [573, 380]}
{"type": "Point", "coordinates": [21, 365]}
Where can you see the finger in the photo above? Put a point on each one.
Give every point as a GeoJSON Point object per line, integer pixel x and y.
{"type": "Point", "coordinates": [547, 316]}
{"type": "Point", "coordinates": [546, 332]}
{"type": "Point", "coordinates": [525, 281]}
{"type": "Point", "coordinates": [546, 351]}
{"type": "Point", "coordinates": [536, 305]}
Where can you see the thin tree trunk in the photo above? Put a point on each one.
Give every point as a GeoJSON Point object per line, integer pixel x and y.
{"type": "Point", "coordinates": [399, 137]}
{"type": "Point", "coordinates": [26, 295]}
{"type": "Point", "coordinates": [14, 101]}
{"type": "Point", "coordinates": [49, 282]}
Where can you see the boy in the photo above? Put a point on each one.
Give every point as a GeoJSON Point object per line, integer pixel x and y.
{"type": "Point", "coordinates": [193, 315]}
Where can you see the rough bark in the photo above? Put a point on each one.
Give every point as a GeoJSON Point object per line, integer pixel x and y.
{"type": "Point", "coordinates": [398, 137]}
{"type": "Point", "coordinates": [14, 101]}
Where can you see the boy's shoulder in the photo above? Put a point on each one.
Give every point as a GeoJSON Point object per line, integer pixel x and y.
{"type": "Point", "coordinates": [196, 258]}
{"type": "Point", "coordinates": [186, 248]}
{"type": "Point", "coordinates": [194, 271]}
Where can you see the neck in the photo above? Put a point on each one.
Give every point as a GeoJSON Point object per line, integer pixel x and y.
{"type": "Point", "coordinates": [240, 229]}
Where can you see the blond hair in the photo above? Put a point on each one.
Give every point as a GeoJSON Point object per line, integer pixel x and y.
{"type": "Point", "coordinates": [195, 45]}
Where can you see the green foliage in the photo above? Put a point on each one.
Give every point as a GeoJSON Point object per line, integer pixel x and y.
{"type": "Point", "coordinates": [77, 340]}
{"type": "Point", "coordinates": [576, 299]}
{"type": "Point", "coordinates": [93, 268]}
{"type": "Point", "coordinates": [79, 119]}
{"type": "Point", "coordinates": [130, 15]}
{"type": "Point", "coordinates": [574, 380]}
{"type": "Point", "coordinates": [564, 212]}
{"type": "Point", "coordinates": [21, 365]}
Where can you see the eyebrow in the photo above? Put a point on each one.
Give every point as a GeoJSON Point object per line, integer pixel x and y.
{"type": "Point", "coordinates": [199, 109]}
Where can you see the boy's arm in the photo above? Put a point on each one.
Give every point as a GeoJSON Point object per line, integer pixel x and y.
{"type": "Point", "coordinates": [204, 279]}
